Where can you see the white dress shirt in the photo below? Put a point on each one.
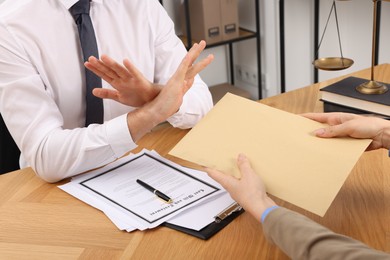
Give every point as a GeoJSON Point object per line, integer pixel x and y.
{"type": "Point", "coordinates": [42, 80]}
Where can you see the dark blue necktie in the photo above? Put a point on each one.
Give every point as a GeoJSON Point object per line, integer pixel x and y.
{"type": "Point", "coordinates": [80, 12]}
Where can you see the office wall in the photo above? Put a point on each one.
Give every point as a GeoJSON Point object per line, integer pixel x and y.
{"type": "Point", "coordinates": [244, 52]}
{"type": "Point", "coordinates": [355, 23]}
{"type": "Point", "coordinates": [384, 50]}
{"type": "Point", "coordinates": [298, 24]}
{"type": "Point", "coordinates": [217, 72]}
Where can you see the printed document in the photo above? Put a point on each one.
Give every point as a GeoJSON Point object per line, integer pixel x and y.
{"type": "Point", "coordinates": [114, 190]}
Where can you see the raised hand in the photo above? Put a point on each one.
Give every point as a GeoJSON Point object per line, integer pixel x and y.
{"type": "Point", "coordinates": [171, 95]}
{"type": "Point", "coordinates": [130, 86]}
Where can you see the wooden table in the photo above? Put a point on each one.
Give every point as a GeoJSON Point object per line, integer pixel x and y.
{"type": "Point", "coordinates": [40, 221]}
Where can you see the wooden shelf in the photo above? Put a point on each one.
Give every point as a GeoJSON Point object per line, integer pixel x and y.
{"type": "Point", "coordinates": [244, 34]}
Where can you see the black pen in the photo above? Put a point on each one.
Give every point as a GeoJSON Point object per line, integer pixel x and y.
{"type": "Point", "coordinates": [155, 191]}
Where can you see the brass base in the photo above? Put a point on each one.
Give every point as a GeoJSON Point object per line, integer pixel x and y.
{"type": "Point", "coordinates": [372, 87]}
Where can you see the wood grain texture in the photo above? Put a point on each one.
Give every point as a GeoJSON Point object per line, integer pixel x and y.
{"type": "Point", "coordinates": [40, 221]}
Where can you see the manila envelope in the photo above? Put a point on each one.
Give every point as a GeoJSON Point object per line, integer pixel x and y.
{"type": "Point", "coordinates": [296, 166]}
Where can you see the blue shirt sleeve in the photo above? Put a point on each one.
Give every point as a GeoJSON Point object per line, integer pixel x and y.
{"type": "Point", "coordinates": [267, 211]}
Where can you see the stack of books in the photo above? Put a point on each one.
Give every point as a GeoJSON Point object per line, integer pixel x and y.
{"type": "Point", "coordinates": [342, 96]}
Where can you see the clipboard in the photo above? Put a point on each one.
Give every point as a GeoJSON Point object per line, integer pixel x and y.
{"type": "Point", "coordinates": [221, 220]}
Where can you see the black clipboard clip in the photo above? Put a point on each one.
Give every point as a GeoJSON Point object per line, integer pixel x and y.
{"type": "Point", "coordinates": [235, 207]}
{"type": "Point", "coordinates": [221, 220]}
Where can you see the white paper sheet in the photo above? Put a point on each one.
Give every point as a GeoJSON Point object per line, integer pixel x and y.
{"type": "Point", "coordinates": [195, 214]}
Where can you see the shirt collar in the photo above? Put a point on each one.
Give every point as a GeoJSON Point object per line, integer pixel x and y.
{"type": "Point", "coordinates": [69, 3]}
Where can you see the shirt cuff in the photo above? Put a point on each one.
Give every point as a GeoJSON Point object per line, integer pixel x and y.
{"type": "Point", "coordinates": [119, 136]}
{"type": "Point", "coordinates": [267, 211]}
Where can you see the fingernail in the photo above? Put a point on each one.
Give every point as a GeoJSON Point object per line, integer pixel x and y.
{"type": "Point", "coordinates": [320, 131]}
{"type": "Point", "coordinates": [241, 157]}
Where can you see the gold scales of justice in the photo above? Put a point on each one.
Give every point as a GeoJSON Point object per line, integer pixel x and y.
{"type": "Point", "coordinates": [340, 63]}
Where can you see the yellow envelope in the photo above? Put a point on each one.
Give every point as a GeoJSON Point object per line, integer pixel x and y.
{"type": "Point", "coordinates": [295, 165]}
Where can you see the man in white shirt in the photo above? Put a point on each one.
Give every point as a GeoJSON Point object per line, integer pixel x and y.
{"type": "Point", "coordinates": [42, 82]}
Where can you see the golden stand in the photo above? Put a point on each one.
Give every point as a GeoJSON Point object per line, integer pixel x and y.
{"type": "Point", "coordinates": [372, 87]}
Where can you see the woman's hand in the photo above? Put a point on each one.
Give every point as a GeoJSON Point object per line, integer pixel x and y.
{"type": "Point", "coordinates": [356, 126]}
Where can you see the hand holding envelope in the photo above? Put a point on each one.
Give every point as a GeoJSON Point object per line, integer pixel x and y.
{"type": "Point", "coordinates": [295, 165]}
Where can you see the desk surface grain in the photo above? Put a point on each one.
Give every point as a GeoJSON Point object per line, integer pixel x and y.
{"type": "Point", "coordinates": [40, 221]}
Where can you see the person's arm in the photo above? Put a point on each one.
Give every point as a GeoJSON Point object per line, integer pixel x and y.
{"type": "Point", "coordinates": [130, 87]}
{"type": "Point", "coordinates": [356, 126]}
{"type": "Point", "coordinates": [249, 191]}
{"type": "Point", "coordinates": [169, 99]}
{"type": "Point", "coordinates": [155, 103]}
{"type": "Point", "coordinates": [301, 238]}
{"type": "Point", "coordinates": [297, 236]}
{"type": "Point", "coordinates": [169, 51]}
{"type": "Point", "coordinates": [35, 114]}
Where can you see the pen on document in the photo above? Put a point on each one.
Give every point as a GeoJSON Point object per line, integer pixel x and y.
{"type": "Point", "coordinates": [155, 191]}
